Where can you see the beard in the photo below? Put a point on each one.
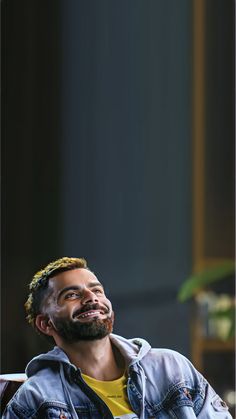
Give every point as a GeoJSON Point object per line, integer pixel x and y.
{"type": "Point", "coordinates": [74, 331]}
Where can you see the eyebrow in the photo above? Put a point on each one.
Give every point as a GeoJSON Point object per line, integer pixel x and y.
{"type": "Point", "coordinates": [78, 288]}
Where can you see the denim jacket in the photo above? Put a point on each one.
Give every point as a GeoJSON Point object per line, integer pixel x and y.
{"type": "Point", "coordinates": [161, 384]}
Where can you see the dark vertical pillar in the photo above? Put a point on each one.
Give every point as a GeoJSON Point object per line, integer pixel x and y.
{"type": "Point", "coordinates": [220, 129]}
{"type": "Point", "coordinates": [30, 161]}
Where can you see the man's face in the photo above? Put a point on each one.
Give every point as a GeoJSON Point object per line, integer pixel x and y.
{"type": "Point", "coordinates": [77, 306]}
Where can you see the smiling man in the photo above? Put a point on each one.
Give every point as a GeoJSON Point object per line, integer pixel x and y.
{"type": "Point", "coordinates": [92, 373]}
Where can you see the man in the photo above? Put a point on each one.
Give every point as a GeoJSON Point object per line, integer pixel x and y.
{"type": "Point", "coordinates": [92, 373]}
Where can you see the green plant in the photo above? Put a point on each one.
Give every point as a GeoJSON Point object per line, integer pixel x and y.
{"type": "Point", "coordinates": [229, 314]}
{"type": "Point", "coordinates": [199, 285]}
{"type": "Point", "coordinates": [201, 280]}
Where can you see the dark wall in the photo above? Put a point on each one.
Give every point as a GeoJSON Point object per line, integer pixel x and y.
{"type": "Point", "coordinates": [97, 158]}
{"type": "Point", "coordinates": [126, 148]}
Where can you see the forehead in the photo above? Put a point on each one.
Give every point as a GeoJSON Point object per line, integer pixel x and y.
{"type": "Point", "coordinates": [75, 277]}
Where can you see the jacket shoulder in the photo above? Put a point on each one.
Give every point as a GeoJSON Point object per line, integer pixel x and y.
{"type": "Point", "coordinates": [34, 392]}
{"type": "Point", "coordinates": [175, 366]}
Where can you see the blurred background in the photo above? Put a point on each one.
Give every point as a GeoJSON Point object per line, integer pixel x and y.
{"type": "Point", "coordinates": [118, 146]}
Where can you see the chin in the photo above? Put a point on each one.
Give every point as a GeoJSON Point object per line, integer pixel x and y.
{"type": "Point", "coordinates": [93, 329]}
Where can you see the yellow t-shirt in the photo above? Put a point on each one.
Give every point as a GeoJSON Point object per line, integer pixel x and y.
{"type": "Point", "coordinates": [114, 394]}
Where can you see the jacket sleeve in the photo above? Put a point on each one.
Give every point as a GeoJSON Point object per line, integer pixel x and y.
{"type": "Point", "coordinates": [10, 413]}
{"type": "Point", "coordinates": [14, 410]}
{"type": "Point", "coordinates": [213, 406]}
{"type": "Point", "coordinates": [207, 404]}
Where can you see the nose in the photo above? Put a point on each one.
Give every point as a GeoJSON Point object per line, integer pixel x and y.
{"type": "Point", "coordinates": [89, 297]}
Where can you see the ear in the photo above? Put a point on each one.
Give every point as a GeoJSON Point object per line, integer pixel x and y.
{"type": "Point", "coordinates": [44, 324]}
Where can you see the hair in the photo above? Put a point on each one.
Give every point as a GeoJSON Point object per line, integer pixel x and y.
{"type": "Point", "coordinates": [39, 285]}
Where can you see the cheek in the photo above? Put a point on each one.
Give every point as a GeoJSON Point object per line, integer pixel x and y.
{"type": "Point", "coordinates": [52, 309]}
{"type": "Point", "coordinates": [108, 304]}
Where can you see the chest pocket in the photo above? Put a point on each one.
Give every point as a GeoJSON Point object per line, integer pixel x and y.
{"type": "Point", "coordinates": [59, 411]}
{"type": "Point", "coordinates": [181, 399]}
{"type": "Point", "coordinates": [53, 411]}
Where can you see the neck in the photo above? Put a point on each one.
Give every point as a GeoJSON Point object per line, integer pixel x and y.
{"type": "Point", "coordinates": [98, 359]}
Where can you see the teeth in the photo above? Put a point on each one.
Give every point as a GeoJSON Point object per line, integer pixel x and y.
{"type": "Point", "coordinates": [90, 313]}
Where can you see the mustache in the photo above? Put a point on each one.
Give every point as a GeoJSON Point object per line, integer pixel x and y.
{"type": "Point", "coordinates": [89, 307]}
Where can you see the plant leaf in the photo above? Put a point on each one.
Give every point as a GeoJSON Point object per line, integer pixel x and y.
{"type": "Point", "coordinates": [202, 279]}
